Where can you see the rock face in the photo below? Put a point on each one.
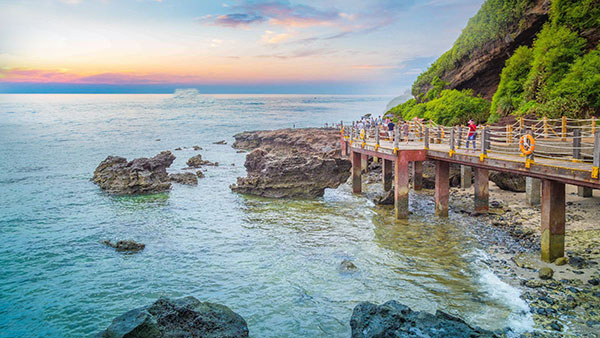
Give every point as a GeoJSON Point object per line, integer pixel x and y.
{"type": "Point", "coordinates": [393, 319]}
{"type": "Point", "coordinates": [291, 163]}
{"type": "Point", "coordinates": [184, 178]}
{"type": "Point", "coordinates": [125, 246]}
{"type": "Point", "coordinates": [139, 176]}
{"type": "Point", "coordinates": [480, 70]}
{"type": "Point", "coordinates": [508, 181]}
{"type": "Point", "coordinates": [185, 317]}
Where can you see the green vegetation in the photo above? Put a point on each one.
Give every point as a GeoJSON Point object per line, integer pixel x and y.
{"type": "Point", "coordinates": [558, 75]}
{"type": "Point", "coordinates": [492, 21]}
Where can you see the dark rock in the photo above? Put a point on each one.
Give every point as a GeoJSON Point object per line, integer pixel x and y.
{"type": "Point", "coordinates": [385, 199]}
{"type": "Point", "coordinates": [508, 181]}
{"type": "Point", "coordinates": [577, 262]}
{"type": "Point", "coordinates": [393, 319]}
{"type": "Point", "coordinates": [197, 162]}
{"type": "Point", "coordinates": [291, 176]}
{"type": "Point", "coordinates": [125, 246]}
{"type": "Point", "coordinates": [556, 326]}
{"type": "Point", "coordinates": [197, 148]}
{"type": "Point", "coordinates": [220, 142]}
{"type": "Point", "coordinates": [184, 178]}
{"type": "Point", "coordinates": [139, 176]}
{"type": "Point", "coordinates": [546, 273]}
{"type": "Point", "coordinates": [347, 266]}
{"type": "Point", "coordinates": [594, 281]}
{"type": "Point", "coordinates": [200, 174]}
{"type": "Point", "coordinates": [178, 148]}
{"type": "Point", "coordinates": [185, 317]}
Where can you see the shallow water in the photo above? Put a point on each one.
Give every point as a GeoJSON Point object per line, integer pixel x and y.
{"type": "Point", "coordinates": [272, 261]}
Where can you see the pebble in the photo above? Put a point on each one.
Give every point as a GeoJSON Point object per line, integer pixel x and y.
{"type": "Point", "coordinates": [561, 261]}
{"type": "Point", "coordinates": [546, 273]}
{"type": "Point", "coordinates": [556, 326]}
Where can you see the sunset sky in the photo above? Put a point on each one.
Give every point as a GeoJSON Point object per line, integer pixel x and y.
{"type": "Point", "coordinates": [232, 46]}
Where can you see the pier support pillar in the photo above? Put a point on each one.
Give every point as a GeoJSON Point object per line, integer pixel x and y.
{"type": "Point", "coordinates": [482, 194]}
{"type": "Point", "coordinates": [417, 175]}
{"type": "Point", "coordinates": [532, 190]}
{"type": "Point", "coordinates": [466, 177]}
{"type": "Point", "coordinates": [553, 220]}
{"type": "Point", "coordinates": [364, 162]}
{"type": "Point", "coordinates": [344, 148]}
{"type": "Point", "coordinates": [442, 188]}
{"type": "Point", "coordinates": [584, 192]}
{"type": "Point", "coordinates": [387, 174]}
{"type": "Point", "coordinates": [401, 186]}
{"type": "Point", "coordinates": [356, 174]}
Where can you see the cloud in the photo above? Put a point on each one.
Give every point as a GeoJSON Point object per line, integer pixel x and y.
{"type": "Point", "coordinates": [300, 53]}
{"type": "Point", "coordinates": [232, 20]}
{"type": "Point", "coordinates": [272, 38]}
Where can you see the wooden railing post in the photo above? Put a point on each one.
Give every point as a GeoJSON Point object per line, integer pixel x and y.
{"type": "Point", "coordinates": [564, 128]}
{"type": "Point", "coordinates": [396, 137]}
{"type": "Point", "coordinates": [545, 127]}
{"type": "Point", "coordinates": [439, 135]}
{"type": "Point", "coordinates": [508, 133]}
{"type": "Point", "coordinates": [460, 136]}
{"type": "Point", "coordinates": [576, 145]}
{"type": "Point", "coordinates": [593, 125]}
{"type": "Point", "coordinates": [483, 141]}
{"type": "Point", "coordinates": [522, 124]}
{"type": "Point", "coordinates": [596, 164]}
{"type": "Point", "coordinates": [452, 148]}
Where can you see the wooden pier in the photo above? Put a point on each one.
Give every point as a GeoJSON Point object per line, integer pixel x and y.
{"type": "Point", "coordinates": [498, 151]}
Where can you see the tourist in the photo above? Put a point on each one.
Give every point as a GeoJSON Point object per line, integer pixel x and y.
{"type": "Point", "coordinates": [390, 126]}
{"type": "Point", "coordinates": [472, 134]}
{"type": "Point", "coordinates": [405, 130]}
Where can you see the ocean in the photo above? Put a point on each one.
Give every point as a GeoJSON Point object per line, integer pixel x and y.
{"type": "Point", "coordinates": [275, 262]}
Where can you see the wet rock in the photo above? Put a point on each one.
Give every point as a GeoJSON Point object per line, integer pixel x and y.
{"type": "Point", "coordinates": [508, 181]}
{"type": "Point", "coordinates": [184, 178]}
{"type": "Point", "coordinates": [125, 246]}
{"type": "Point", "coordinates": [347, 266]}
{"type": "Point", "coordinates": [200, 174]}
{"type": "Point", "coordinates": [178, 148]}
{"type": "Point", "coordinates": [594, 281]}
{"type": "Point", "coordinates": [140, 176]}
{"type": "Point", "coordinates": [556, 326]}
{"type": "Point", "coordinates": [532, 283]}
{"type": "Point", "coordinates": [386, 199]}
{"type": "Point", "coordinates": [197, 148]}
{"type": "Point", "coordinates": [546, 273]}
{"type": "Point", "coordinates": [577, 262]}
{"type": "Point", "coordinates": [220, 142]}
{"type": "Point", "coordinates": [291, 176]}
{"type": "Point", "coordinates": [197, 162]}
{"type": "Point", "coordinates": [393, 319]}
{"type": "Point", "coordinates": [560, 261]}
{"type": "Point", "coordinates": [185, 317]}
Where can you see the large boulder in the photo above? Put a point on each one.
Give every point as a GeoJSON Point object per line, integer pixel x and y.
{"type": "Point", "coordinates": [197, 162]}
{"type": "Point", "coordinates": [185, 317]}
{"type": "Point", "coordinates": [508, 181]}
{"type": "Point", "coordinates": [184, 178]}
{"type": "Point", "coordinates": [393, 319]}
{"type": "Point", "coordinates": [140, 176]}
{"type": "Point", "coordinates": [293, 176]}
{"type": "Point", "coordinates": [303, 140]}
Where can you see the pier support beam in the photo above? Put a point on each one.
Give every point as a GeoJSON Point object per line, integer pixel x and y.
{"type": "Point", "coordinates": [482, 194]}
{"type": "Point", "coordinates": [533, 188]}
{"type": "Point", "coordinates": [466, 177]}
{"type": "Point", "coordinates": [356, 174]}
{"type": "Point", "coordinates": [417, 168]}
{"type": "Point", "coordinates": [553, 220]}
{"type": "Point", "coordinates": [364, 162]}
{"type": "Point", "coordinates": [584, 192]}
{"type": "Point", "coordinates": [442, 188]}
{"type": "Point", "coordinates": [344, 148]}
{"type": "Point", "coordinates": [401, 186]}
{"type": "Point", "coordinates": [387, 174]}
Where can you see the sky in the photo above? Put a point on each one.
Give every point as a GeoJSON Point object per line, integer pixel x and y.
{"type": "Point", "coordinates": [228, 46]}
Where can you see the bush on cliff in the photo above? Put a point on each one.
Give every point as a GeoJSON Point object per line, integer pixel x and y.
{"type": "Point", "coordinates": [509, 95]}
{"type": "Point", "coordinates": [578, 15]}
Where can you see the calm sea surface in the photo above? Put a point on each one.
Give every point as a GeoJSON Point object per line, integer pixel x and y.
{"type": "Point", "coordinates": [275, 262]}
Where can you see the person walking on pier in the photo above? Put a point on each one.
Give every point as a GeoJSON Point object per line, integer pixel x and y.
{"type": "Point", "coordinates": [472, 134]}
{"type": "Point", "coordinates": [405, 128]}
{"type": "Point", "coordinates": [391, 130]}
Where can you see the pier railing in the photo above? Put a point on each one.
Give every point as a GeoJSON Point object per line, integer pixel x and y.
{"type": "Point", "coordinates": [564, 139]}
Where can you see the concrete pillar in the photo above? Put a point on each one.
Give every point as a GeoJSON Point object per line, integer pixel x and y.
{"type": "Point", "coordinates": [387, 174]}
{"type": "Point", "coordinates": [401, 186]}
{"type": "Point", "coordinates": [364, 162]}
{"type": "Point", "coordinates": [482, 194]}
{"type": "Point", "coordinates": [417, 168]}
{"type": "Point", "coordinates": [356, 174]}
{"type": "Point", "coordinates": [344, 148]}
{"type": "Point", "coordinates": [533, 187]}
{"type": "Point", "coordinates": [553, 220]}
{"type": "Point", "coordinates": [466, 176]}
{"type": "Point", "coordinates": [584, 192]}
{"type": "Point", "coordinates": [442, 188]}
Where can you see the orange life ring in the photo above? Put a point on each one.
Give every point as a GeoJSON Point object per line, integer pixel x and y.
{"type": "Point", "coordinates": [527, 144]}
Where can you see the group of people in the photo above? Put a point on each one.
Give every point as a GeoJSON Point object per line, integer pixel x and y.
{"type": "Point", "coordinates": [389, 125]}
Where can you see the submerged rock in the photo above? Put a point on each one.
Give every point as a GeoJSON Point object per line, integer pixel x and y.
{"type": "Point", "coordinates": [184, 178]}
{"type": "Point", "coordinates": [385, 199]}
{"type": "Point", "coordinates": [197, 162]}
{"type": "Point", "coordinates": [139, 176]}
{"type": "Point", "coordinates": [125, 246]}
{"type": "Point", "coordinates": [508, 181]}
{"type": "Point", "coordinates": [197, 148]}
{"type": "Point", "coordinates": [185, 317]}
{"type": "Point", "coordinates": [220, 142]}
{"type": "Point", "coordinates": [200, 174]}
{"type": "Point", "coordinates": [293, 176]}
{"type": "Point", "coordinates": [393, 319]}
{"type": "Point", "coordinates": [347, 266]}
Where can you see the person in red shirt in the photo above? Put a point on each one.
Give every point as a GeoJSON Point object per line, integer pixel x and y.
{"type": "Point", "coordinates": [472, 134]}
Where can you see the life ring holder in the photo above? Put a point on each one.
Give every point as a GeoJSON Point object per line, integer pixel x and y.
{"type": "Point", "coordinates": [527, 144]}
{"type": "Point", "coordinates": [362, 133]}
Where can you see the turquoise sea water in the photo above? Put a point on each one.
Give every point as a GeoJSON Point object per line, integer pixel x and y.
{"type": "Point", "coordinates": [275, 262]}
